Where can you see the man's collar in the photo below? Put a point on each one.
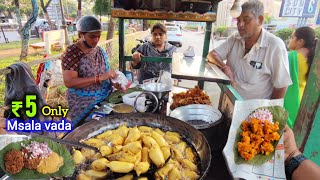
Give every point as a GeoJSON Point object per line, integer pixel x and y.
{"type": "Point", "coordinates": [262, 42]}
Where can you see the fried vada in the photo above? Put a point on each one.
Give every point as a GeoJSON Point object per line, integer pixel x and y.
{"type": "Point", "coordinates": [13, 161]}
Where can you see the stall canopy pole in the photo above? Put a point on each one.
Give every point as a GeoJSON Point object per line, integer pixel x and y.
{"type": "Point", "coordinates": [122, 65]}
{"type": "Point", "coordinates": [207, 39]}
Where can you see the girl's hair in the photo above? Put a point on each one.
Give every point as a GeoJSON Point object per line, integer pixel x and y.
{"type": "Point", "coordinates": [310, 42]}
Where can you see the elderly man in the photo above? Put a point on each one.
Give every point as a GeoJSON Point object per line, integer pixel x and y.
{"type": "Point", "coordinates": [257, 61]}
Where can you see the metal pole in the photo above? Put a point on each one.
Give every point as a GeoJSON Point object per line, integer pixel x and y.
{"type": "Point", "coordinates": [122, 65]}
{"type": "Point", "coordinates": [299, 22]}
{"type": "Point", "coordinates": [207, 39]}
{"type": "Point", "coordinates": [4, 36]}
{"type": "Point", "coordinates": [64, 26]}
{"type": "Point", "coordinates": [67, 9]}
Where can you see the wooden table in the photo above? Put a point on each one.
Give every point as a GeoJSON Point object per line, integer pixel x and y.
{"type": "Point", "coordinates": [198, 69]}
{"type": "Point", "coordinates": [37, 46]}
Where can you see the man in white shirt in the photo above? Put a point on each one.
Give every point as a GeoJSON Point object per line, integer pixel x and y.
{"type": "Point", "coordinates": [257, 61]}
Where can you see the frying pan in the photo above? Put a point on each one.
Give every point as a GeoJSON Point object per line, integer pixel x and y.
{"type": "Point", "coordinates": [166, 123]}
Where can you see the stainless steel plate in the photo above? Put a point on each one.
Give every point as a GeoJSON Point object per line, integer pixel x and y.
{"type": "Point", "coordinates": [198, 115]}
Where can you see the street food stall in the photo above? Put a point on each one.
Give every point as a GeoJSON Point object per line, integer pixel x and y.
{"type": "Point", "coordinates": [136, 140]}
{"type": "Point", "coordinates": [210, 142]}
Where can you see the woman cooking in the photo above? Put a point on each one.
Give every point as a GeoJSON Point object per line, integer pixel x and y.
{"type": "Point", "coordinates": [86, 70]}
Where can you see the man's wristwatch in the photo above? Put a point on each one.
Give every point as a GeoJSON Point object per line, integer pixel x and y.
{"type": "Point", "coordinates": [293, 164]}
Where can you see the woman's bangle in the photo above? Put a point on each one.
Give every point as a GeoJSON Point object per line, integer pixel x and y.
{"type": "Point", "coordinates": [99, 80]}
{"type": "Point", "coordinates": [96, 79]}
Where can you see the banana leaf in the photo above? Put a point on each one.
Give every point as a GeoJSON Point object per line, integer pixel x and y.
{"type": "Point", "coordinates": [66, 170]}
{"type": "Point", "coordinates": [279, 114]}
{"type": "Point", "coordinates": [116, 96]}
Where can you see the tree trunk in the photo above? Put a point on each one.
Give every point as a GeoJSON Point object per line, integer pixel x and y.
{"type": "Point", "coordinates": [44, 8]}
{"type": "Point", "coordinates": [145, 25]}
{"type": "Point", "coordinates": [18, 14]}
{"type": "Point", "coordinates": [110, 36]}
{"type": "Point", "coordinates": [25, 31]}
{"type": "Point", "coordinates": [110, 29]}
{"type": "Point", "coordinates": [79, 10]}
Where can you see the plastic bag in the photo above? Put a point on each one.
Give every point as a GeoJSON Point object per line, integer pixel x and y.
{"type": "Point", "coordinates": [141, 101]}
{"type": "Point", "coordinates": [165, 78]}
{"type": "Point", "coordinates": [122, 80]}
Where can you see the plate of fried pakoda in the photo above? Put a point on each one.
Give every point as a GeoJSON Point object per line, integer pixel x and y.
{"type": "Point", "coordinates": [191, 96]}
{"type": "Point", "coordinates": [259, 134]}
{"type": "Point", "coordinates": [36, 158]}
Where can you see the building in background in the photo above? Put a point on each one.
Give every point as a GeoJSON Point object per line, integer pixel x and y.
{"type": "Point", "coordinates": [54, 12]}
{"type": "Point", "coordinates": [224, 18]}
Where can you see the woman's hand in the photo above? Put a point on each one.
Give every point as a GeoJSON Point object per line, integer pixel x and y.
{"type": "Point", "coordinates": [107, 75]}
{"type": "Point", "coordinates": [117, 86]}
{"type": "Point", "coordinates": [136, 58]}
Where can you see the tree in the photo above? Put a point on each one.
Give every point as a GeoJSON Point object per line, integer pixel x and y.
{"type": "Point", "coordinates": [25, 30]}
{"type": "Point", "coordinates": [44, 8]}
{"type": "Point", "coordinates": [9, 6]}
{"type": "Point", "coordinates": [79, 9]}
{"type": "Point", "coordinates": [103, 7]}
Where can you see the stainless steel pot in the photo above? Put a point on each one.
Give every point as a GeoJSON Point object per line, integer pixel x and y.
{"type": "Point", "coordinates": [192, 135]}
{"type": "Point", "coordinates": [158, 89]}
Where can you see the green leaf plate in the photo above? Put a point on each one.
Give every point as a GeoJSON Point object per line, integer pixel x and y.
{"type": "Point", "coordinates": [116, 96]}
{"type": "Point", "coordinates": [66, 170]}
{"type": "Point", "coordinates": [279, 114]}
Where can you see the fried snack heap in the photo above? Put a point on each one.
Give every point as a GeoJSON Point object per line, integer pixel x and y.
{"type": "Point", "coordinates": [257, 137]}
{"type": "Point", "coordinates": [140, 149]}
{"type": "Point", "coordinates": [34, 156]}
{"type": "Point", "coordinates": [192, 96]}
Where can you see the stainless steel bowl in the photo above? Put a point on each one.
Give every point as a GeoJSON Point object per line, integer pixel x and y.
{"type": "Point", "coordinates": [199, 116]}
{"type": "Point", "coordinates": [192, 135]}
{"type": "Point", "coordinates": [159, 89]}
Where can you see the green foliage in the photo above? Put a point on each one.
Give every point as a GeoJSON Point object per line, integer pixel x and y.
{"type": "Point", "coordinates": [102, 7]}
{"type": "Point", "coordinates": [152, 22]}
{"type": "Point", "coordinates": [17, 44]}
{"type": "Point", "coordinates": [73, 15]}
{"type": "Point", "coordinates": [221, 30]}
{"type": "Point", "coordinates": [317, 30]}
{"type": "Point", "coordinates": [285, 33]}
{"type": "Point", "coordinates": [267, 19]}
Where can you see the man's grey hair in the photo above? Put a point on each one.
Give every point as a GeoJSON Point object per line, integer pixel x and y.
{"type": "Point", "coordinates": [253, 6]}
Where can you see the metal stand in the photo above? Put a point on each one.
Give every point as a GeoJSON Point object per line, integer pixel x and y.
{"type": "Point", "coordinates": [4, 36]}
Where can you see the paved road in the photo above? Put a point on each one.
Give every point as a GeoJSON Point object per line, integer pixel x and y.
{"type": "Point", "coordinates": [194, 39]}
{"type": "Point", "coordinates": [11, 35]}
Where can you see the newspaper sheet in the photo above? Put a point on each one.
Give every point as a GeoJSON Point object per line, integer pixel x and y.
{"type": "Point", "coordinates": [7, 139]}
{"type": "Point", "coordinates": [273, 169]}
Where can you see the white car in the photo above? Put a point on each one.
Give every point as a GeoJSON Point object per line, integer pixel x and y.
{"type": "Point", "coordinates": [174, 35]}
